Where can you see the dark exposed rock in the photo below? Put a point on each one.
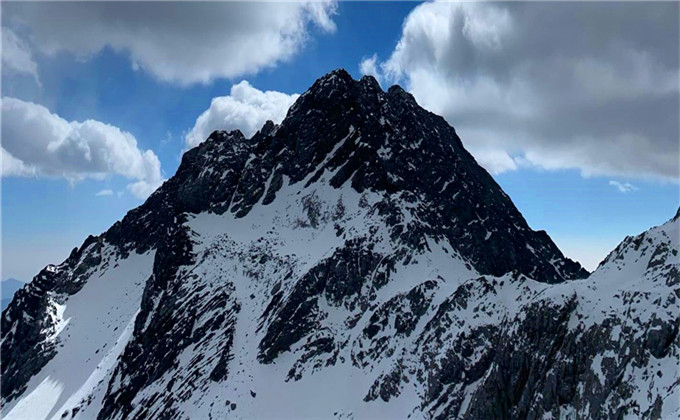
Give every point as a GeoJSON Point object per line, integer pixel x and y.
{"type": "Point", "coordinates": [512, 338]}
{"type": "Point", "coordinates": [25, 330]}
{"type": "Point", "coordinates": [338, 279]}
{"type": "Point", "coordinates": [383, 142]}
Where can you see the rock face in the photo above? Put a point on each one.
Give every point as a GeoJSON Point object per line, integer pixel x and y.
{"type": "Point", "coordinates": [7, 289]}
{"type": "Point", "coordinates": [352, 262]}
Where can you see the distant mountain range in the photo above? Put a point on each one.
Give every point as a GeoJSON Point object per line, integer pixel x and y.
{"type": "Point", "coordinates": [352, 262]}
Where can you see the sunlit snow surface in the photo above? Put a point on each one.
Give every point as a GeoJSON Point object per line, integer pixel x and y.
{"type": "Point", "coordinates": [277, 244]}
{"type": "Point", "coordinates": [93, 328]}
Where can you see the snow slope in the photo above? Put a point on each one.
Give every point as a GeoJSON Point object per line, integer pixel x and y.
{"type": "Point", "coordinates": [273, 247]}
{"type": "Point", "coordinates": [353, 262]}
{"type": "Point", "coordinates": [92, 328]}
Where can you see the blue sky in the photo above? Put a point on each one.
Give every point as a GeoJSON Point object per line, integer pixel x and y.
{"type": "Point", "coordinates": [572, 186]}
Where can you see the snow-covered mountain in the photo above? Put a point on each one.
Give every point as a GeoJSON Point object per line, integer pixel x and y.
{"type": "Point", "coordinates": [352, 262]}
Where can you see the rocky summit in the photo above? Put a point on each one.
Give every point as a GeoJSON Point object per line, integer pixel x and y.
{"type": "Point", "coordinates": [352, 262]}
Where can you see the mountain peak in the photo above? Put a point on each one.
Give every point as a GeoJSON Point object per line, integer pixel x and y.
{"type": "Point", "coordinates": [362, 240]}
{"type": "Point", "coordinates": [338, 79]}
{"type": "Point", "coordinates": [339, 74]}
{"type": "Point", "coordinates": [370, 82]}
{"type": "Point", "coordinates": [344, 132]}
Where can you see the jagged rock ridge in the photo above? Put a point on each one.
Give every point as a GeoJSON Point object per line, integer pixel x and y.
{"type": "Point", "coordinates": [359, 244]}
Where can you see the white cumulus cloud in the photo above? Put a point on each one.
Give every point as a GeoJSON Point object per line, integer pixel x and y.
{"type": "Point", "coordinates": [245, 108]}
{"type": "Point", "coordinates": [180, 42]}
{"type": "Point", "coordinates": [36, 142]}
{"type": "Point", "coordinates": [586, 86]}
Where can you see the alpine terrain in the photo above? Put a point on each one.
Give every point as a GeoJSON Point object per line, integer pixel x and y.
{"type": "Point", "coordinates": [352, 262]}
{"type": "Point", "coordinates": [7, 289]}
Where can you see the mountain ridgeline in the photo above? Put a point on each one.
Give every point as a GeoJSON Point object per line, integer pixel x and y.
{"type": "Point", "coordinates": [378, 141]}
{"type": "Point", "coordinates": [353, 261]}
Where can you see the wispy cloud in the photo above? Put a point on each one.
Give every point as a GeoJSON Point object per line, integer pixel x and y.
{"type": "Point", "coordinates": [17, 56]}
{"type": "Point", "coordinates": [104, 193]}
{"type": "Point", "coordinates": [624, 187]}
{"type": "Point", "coordinates": [369, 66]}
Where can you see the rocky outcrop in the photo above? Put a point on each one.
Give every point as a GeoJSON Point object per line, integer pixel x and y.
{"type": "Point", "coordinates": [355, 255]}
